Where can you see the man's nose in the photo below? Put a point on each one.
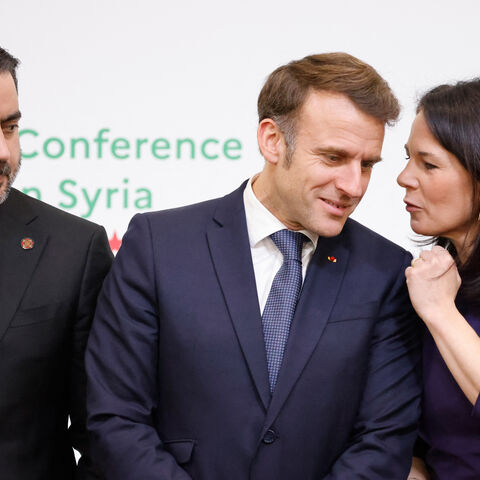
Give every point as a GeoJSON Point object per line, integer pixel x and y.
{"type": "Point", "coordinates": [4, 151]}
{"type": "Point", "coordinates": [350, 180]}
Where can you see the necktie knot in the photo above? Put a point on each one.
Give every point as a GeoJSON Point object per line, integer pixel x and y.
{"type": "Point", "coordinates": [289, 243]}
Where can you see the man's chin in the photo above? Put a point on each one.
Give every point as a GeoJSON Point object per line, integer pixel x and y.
{"type": "Point", "coordinates": [4, 191]}
{"type": "Point", "coordinates": [332, 229]}
{"type": "Point", "coordinates": [6, 182]}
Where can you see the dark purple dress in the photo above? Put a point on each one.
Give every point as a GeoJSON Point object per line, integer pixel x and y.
{"type": "Point", "coordinates": [450, 425]}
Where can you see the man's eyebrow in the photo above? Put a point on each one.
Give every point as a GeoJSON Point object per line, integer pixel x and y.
{"type": "Point", "coordinates": [332, 150]}
{"type": "Point", "coordinates": [340, 152]}
{"type": "Point", "coordinates": [14, 116]}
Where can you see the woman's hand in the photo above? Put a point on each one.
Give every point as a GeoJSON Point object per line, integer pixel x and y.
{"type": "Point", "coordinates": [418, 470]}
{"type": "Point", "coordinates": [433, 282]}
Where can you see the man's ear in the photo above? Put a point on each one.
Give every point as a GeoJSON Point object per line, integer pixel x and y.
{"type": "Point", "coordinates": [271, 141]}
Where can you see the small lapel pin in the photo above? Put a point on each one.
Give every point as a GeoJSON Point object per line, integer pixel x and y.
{"type": "Point", "coordinates": [332, 259]}
{"type": "Point", "coordinates": [27, 243]}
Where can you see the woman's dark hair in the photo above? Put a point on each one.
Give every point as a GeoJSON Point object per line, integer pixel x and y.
{"type": "Point", "coordinates": [452, 113]}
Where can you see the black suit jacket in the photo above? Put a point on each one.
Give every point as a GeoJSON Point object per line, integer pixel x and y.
{"type": "Point", "coordinates": [47, 300]}
{"type": "Point", "coordinates": [178, 381]}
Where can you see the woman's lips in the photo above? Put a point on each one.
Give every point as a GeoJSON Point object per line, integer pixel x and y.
{"type": "Point", "coordinates": [411, 207]}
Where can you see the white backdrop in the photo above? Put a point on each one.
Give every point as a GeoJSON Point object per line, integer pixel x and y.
{"type": "Point", "coordinates": [155, 71]}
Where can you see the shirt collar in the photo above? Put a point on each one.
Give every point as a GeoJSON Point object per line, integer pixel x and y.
{"type": "Point", "coordinates": [261, 223]}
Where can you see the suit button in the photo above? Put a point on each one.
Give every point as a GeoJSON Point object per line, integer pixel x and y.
{"type": "Point", "coordinates": [270, 436]}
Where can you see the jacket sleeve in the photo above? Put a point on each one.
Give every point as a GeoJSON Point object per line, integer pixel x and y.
{"type": "Point", "coordinates": [420, 448]}
{"type": "Point", "coordinates": [381, 443]}
{"type": "Point", "coordinates": [121, 363]}
{"type": "Point", "coordinates": [98, 259]}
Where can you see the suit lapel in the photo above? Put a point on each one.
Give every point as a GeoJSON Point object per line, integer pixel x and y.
{"type": "Point", "coordinates": [230, 250]}
{"type": "Point", "coordinates": [17, 221]}
{"type": "Point", "coordinates": [319, 294]}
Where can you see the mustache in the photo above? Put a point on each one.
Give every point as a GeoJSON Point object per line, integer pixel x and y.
{"type": "Point", "coordinates": [5, 168]}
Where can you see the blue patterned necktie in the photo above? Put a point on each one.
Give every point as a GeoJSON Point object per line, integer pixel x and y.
{"type": "Point", "coordinates": [282, 299]}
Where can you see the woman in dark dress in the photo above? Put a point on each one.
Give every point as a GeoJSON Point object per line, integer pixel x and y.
{"type": "Point", "coordinates": [442, 183]}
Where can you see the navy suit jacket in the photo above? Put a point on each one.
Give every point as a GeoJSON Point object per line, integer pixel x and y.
{"type": "Point", "coordinates": [178, 382]}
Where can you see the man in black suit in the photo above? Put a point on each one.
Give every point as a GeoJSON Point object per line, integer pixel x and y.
{"type": "Point", "coordinates": [52, 266]}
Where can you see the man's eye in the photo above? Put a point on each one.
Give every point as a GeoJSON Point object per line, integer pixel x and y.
{"type": "Point", "coordinates": [429, 166]}
{"type": "Point", "coordinates": [10, 128]}
{"type": "Point", "coordinates": [332, 158]}
{"type": "Point", "coordinates": [368, 165]}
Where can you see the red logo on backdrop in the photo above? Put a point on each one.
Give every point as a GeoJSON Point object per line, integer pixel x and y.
{"type": "Point", "coordinates": [115, 242]}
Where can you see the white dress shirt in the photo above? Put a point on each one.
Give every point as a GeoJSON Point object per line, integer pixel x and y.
{"type": "Point", "coordinates": [267, 258]}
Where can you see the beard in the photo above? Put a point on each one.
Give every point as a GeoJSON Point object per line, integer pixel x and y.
{"type": "Point", "coordinates": [8, 173]}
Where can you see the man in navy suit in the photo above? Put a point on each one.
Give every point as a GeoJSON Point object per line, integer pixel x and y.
{"type": "Point", "coordinates": [218, 354]}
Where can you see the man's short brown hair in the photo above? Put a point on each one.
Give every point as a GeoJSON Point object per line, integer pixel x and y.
{"type": "Point", "coordinates": [287, 87]}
